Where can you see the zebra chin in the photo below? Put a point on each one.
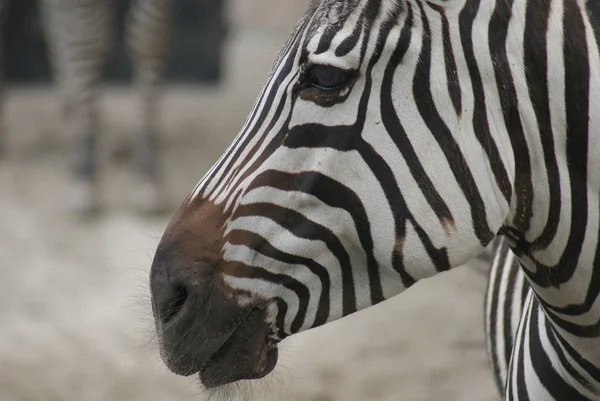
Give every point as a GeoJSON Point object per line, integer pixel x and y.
{"type": "Point", "coordinates": [204, 326]}
{"type": "Point", "coordinates": [238, 349]}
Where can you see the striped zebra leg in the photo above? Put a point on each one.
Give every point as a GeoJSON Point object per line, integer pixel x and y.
{"type": "Point", "coordinates": [504, 304]}
{"type": "Point", "coordinates": [148, 34]}
{"type": "Point", "coordinates": [80, 35]}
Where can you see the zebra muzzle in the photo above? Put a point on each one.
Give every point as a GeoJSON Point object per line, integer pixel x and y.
{"type": "Point", "coordinates": [219, 350]}
{"type": "Point", "coordinates": [205, 326]}
{"type": "Point", "coordinates": [204, 329]}
{"type": "Point", "coordinates": [247, 354]}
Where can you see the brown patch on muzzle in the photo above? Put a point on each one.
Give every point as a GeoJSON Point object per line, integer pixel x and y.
{"type": "Point", "coordinates": [201, 325]}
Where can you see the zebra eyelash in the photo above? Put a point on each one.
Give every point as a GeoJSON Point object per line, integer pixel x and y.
{"type": "Point", "coordinates": [326, 78]}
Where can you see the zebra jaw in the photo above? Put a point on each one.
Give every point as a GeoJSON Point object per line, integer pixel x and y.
{"type": "Point", "coordinates": [244, 355]}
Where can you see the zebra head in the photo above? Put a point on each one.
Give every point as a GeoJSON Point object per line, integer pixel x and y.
{"type": "Point", "coordinates": [367, 163]}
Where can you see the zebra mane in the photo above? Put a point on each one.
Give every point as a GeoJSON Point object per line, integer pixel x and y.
{"type": "Point", "coordinates": [333, 11]}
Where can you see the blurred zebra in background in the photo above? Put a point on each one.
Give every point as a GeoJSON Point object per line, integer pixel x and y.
{"type": "Point", "coordinates": [2, 19]}
{"type": "Point", "coordinates": [80, 35]}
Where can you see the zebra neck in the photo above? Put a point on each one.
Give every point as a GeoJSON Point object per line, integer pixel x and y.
{"type": "Point", "coordinates": [544, 364]}
{"type": "Point", "coordinates": [554, 225]}
{"type": "Point", "coordinates": [532, 358]}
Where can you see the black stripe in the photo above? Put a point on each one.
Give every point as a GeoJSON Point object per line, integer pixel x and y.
{"type": "Point", "coordinates": [495, 319]}
{"type": "Point", "coordinates": [280, 320]}
{"type": "Point", "coordinates": [593, 10]}
{"type": "Point", "coordinates": [525, 289]}
{"type": "Point", "coordinates": [509, 304]}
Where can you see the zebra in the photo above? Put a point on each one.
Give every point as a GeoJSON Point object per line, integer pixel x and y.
{"type": "Point", "coordinates": [393, 140]}
{"type": "Point", "coordinates": [80, 35]}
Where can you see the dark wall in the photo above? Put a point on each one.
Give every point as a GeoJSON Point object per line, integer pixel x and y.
{"type": "Point", "coordinates": [195, 51]}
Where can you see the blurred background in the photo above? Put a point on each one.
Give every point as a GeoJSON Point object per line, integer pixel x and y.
{"type": "Point", "coordinates": [75, 319]}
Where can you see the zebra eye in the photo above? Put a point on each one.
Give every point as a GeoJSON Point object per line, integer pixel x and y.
{"type": "Point", "coordinates": [326, 78]}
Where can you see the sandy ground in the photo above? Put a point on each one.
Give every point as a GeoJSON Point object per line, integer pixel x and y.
{"type": "Point", "coordinates": [73, 301]}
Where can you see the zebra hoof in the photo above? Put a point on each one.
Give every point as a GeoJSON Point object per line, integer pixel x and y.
{"type": "Point", "coordinates": [149, 198]}
{"type": "Point", "coordinates": [84, 198]}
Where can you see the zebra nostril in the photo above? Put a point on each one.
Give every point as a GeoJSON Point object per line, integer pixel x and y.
{"type": "Point", "coordinates": [173, 303]}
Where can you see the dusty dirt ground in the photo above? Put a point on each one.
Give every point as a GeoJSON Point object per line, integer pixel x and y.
{"type": "Point", "coordinates": [75, 323]}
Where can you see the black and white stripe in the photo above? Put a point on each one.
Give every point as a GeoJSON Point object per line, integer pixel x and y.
{"type": "Point", "coordinates": [394, 139]}
{"type": "Point", "coordinates": [506, 296]}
